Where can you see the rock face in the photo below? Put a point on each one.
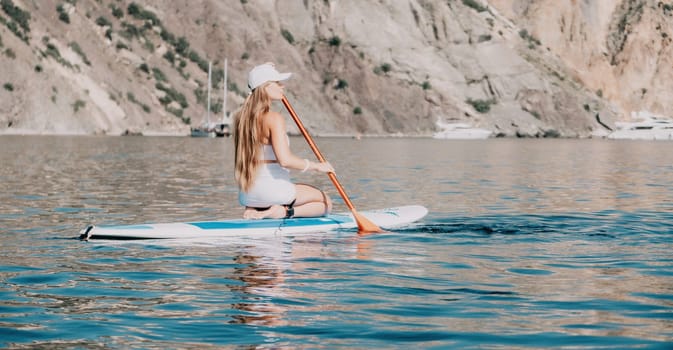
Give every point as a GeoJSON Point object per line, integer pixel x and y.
{"type": "Point", "coordinates": [622, 50]}
{"type": "Point", "coordinates": [516, 67]}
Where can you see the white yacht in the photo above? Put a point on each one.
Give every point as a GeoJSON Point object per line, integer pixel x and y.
{"type": "Point", "coordinates": [460, 131]}
{"type": "Point", "coordinates": [647, 127]}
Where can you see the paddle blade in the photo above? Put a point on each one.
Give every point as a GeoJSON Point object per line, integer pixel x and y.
{"type": "Point", "coordinates": [365, 226]}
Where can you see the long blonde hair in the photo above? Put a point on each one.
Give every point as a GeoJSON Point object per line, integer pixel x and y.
{"type": "Point", "coordinates": [247, 138]}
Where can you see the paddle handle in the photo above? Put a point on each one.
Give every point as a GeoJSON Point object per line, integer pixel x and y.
{"type": "Point", "coordinates": [315, 149]}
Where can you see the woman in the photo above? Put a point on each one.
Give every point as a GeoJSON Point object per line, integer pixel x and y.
{"type": "Point", "coordinates": [263, 158]}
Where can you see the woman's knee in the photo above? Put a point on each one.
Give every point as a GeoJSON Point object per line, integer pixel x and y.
{"type": "Point", "coordinates": [308, 194]}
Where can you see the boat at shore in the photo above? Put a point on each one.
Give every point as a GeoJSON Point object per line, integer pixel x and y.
{"type": "Point", "coordinates": [209, 129]}
{"type": "Point", "coordinates": [646, 126]}
{"type": "Point", "coordinates": [460, 131]}
{"type": "Point", "coordinates": [203, 131]}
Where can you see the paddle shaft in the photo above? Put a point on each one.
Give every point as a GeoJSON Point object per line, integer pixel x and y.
{"type": "Point", "coordinates": [315, 149]}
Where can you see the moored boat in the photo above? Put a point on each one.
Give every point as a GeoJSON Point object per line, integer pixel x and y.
{"type": "Point", "coordinates": [646, 127]}
{"type": "Point", "coordinates": [460, 131]}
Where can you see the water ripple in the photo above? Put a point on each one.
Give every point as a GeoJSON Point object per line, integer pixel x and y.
{"type": "Point", "coordinates": [555, 247]}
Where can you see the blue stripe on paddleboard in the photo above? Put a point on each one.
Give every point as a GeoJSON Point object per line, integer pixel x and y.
{"type": "Point", "coordinates": [266, 223]}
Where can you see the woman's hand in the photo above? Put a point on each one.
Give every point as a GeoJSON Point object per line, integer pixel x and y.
{"type": "Point", "coordinates": [323, 167]}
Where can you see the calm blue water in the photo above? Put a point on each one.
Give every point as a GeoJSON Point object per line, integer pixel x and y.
{"type": "Point", "coordinates": [528, 244]}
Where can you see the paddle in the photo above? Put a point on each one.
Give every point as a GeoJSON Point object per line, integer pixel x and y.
{"type": "Point", "coordinates": [364, 225]}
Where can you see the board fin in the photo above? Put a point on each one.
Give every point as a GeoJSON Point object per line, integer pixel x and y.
{"type": "Point", "coordinates": [85, 234]}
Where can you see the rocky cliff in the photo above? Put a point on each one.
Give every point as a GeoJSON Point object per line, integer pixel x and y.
{"type": "Point", "coordinates": [517, 67]}
{"type": "Point", "coordinates": [621, 50]}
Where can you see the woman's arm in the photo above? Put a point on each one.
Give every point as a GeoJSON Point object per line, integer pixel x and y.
{"type": "Point", "coordinates": [276, 126]}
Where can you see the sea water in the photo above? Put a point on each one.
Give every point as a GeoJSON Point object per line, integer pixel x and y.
{"type": "Point", "coordinates": [528, 244]}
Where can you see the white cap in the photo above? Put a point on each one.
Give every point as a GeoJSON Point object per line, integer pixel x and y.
{"type": "Point", "coordinates": [263, 73]}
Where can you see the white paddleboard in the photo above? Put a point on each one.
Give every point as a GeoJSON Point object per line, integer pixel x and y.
{"type": "Point", "coordinates": [385, 218]}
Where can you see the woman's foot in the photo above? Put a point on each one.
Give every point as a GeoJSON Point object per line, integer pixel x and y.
{"type": "Point", "coordinates": [274, 212]}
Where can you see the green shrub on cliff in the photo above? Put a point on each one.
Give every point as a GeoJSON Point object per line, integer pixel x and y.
{"type": "Point", "coordinates": [137, 12]}
{"type": "Point", "coordinates": [116, 11]}
{"type": "Point", "coordinates": [19, 25]}
{"type": "Point", "coordinates": [334, 41]}
{"type": "Point", "coordinates": [10, 53]}
{"type": "Point", "coordinates": [103, 22]}
{"type": "Point", "coordinates": [341, 84]}
{"type": "Point", "coordinates": [481, 106]}
{"type": "Point", "coordinates": [62, 15]}
{"type": "Point", "coordinates": [19, 16]}
{"type": "Point", "coordinates": [78, 50]}
{"type": "Point", "coordinates": [475, 5]}
{"type": "Point", "coordinates": [287, 35]}
{"type": "Point", "coordinates": [79, 104]}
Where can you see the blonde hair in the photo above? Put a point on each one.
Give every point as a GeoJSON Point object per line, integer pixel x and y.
{"type": "Point", "coordinates": [247, 138]}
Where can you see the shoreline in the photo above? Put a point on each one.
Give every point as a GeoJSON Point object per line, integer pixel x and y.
{"type": "Point", "coordinates": [291, 134]}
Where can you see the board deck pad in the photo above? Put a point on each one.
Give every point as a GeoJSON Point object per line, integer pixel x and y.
{"type": "Point", "coordinates": [385, 218]}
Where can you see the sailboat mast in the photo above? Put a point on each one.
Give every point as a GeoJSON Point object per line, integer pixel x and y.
{"type": "Point", "coordinates": [210, 64]}
{"type": "Point", "coordinates": [224, 101]}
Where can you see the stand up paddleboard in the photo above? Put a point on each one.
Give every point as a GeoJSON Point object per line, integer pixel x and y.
{"type": "Point", "coordinates": [386, 218]}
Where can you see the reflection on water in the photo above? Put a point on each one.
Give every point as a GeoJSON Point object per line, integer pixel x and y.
{"type": "Point", "coordinates": [261, 278]}
{"type": "Point", "coordinates": [540, 243]}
